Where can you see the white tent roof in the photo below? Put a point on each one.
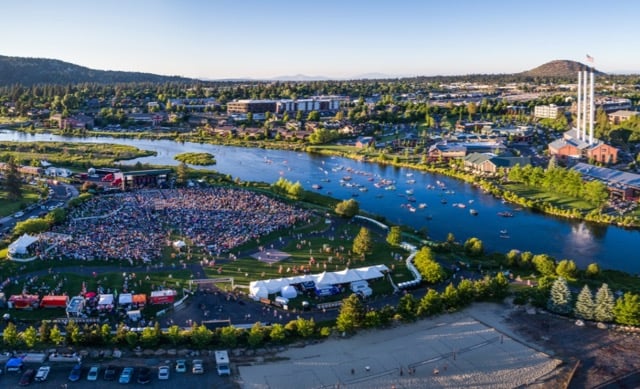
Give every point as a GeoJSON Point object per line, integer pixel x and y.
{"type": "Point", "coordinates": [125, 298]}
{"type": "Point", "coordinates": [348, 275]}
{"type": "Point", "coordinates": [288, 292]}
{"type": "Point", "coordinates": [105, 299]}
{"type": "Point", "coordinates": [367, 273]}
{"type": "Point", "coordinates": [327, 278]}
{"type": "Point", "coordinates": [20, 246]}
{"type": "Point", "coordinates": [179, 244]}
{"type": "Point", "coordinates": [258, 290]}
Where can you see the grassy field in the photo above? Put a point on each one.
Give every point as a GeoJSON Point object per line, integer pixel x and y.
{"type": "Point", "coordinates": [557, 200]}
{"type": "Point", "coordinates": [9, 207]}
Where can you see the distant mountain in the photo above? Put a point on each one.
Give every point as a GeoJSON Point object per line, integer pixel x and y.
{"type": "Point", "coordinates": [559, 69]}
{"type": "Point", "coordinates": [300, 77]}
{"type": "Point", "coordinates": [30, 71]}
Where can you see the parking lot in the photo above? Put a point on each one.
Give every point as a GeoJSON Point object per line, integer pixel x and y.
{"type": "Point", "coordinates": [59, 376]}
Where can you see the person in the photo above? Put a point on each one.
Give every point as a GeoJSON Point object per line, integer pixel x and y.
{"type": "Point", "coordinates": [353, 371]}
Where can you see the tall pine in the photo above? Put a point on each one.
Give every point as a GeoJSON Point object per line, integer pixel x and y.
{"type": "Point", "coordinates": [585, 307]}
{"type": "Point", "coordinates": [560, 297]}
{"type": "Point", "coordinates": [362, 244]}
{"type": "Point", "coordinates": [605, 302]}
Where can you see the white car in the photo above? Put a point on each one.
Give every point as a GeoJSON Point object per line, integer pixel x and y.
{"type": "Point", "coordinates": [18, 214]}
{"type": "Point", "coordinates": [43, 373]}
{"type": "Point", "coordinates": [163, 372]}
{"type": "Point", "coordinates": [93, 373]}
{"type": "Point", "coordinates": [198, 367]}
{"type": "Point", "coordinates": [181, 366]}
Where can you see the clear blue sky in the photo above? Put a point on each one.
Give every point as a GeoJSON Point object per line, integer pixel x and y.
{"type": "Point", "coordinates": [268, 38]}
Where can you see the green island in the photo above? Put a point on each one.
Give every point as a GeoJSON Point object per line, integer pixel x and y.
{"type": "Point", "coordinates": [200, 159]}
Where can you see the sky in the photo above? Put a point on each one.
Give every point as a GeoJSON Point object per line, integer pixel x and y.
{"type": "Point", "coordinates": [263, 39]}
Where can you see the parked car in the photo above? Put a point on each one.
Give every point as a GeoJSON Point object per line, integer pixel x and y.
{"type": "Point", "coordinates": [144, 375]}
{"type": "Point", "coordinates": [125, 376]}
{"type": "Point", "coordinates": [43, 373]}
{"type": "Point", "coordinates": [27, 377]}
{"type": "Point", "coordinates": [198, 367]}
{"type": "Point", "coordinates": [110, 373]}
{"type": "Point", "coordinates": [18, 214]}
{"type": "Point", "coordinates": [93, 373]}
{"type": "Point", "coordinates": [75, 373]}
{"type": "Point", "coordinates": [181, 366]}
{"type": "Point", "coordinates": [163, 372]}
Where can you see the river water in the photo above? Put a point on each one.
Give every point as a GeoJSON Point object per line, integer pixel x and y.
{"type": "Point", "coordinates": [417, 201]}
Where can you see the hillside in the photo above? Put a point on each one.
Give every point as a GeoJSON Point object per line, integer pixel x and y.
{"type": "Point", "coordinates": [29, 71]}
{"type": "Point", "coordinates": [558, 69]}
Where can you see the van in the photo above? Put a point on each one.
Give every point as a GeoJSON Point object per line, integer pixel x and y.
{"type": "Point", "coordinates": [282, 300]}
{"type": "Point", "coordinates": [222, 362]}
{"type": "Point", "coordinates": [361, 288]}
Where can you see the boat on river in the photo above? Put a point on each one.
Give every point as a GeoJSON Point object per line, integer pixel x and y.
{"type": "Point", "coordinates": [316, 186]}
{"type": "Point", "coordinates": [505, 214]}
{"type": "Point", "coordinates": [473, 212]}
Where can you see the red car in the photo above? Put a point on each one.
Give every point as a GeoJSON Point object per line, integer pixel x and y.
{"type": "Point", "coordinates": [27, 377]}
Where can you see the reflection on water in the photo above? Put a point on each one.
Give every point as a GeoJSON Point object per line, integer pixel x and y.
{"type": "Point", "coordinates": [609, 246]}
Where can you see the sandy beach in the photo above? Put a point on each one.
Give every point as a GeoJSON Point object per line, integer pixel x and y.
{"type": "Point", "coordinates": [472, 348]}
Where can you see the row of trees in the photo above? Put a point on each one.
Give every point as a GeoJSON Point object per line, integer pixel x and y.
{"type": "Point", "coordinates": [604, 307]}
{"type": "Point", "coordinates": [564, 181]}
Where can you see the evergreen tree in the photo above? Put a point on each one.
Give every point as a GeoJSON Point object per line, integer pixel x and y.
{"type": "Point", "coordinates": [182, 173]}
{"type": "Point", "coordinates": [256, 335]}
{"type": "Point", "coordinates": [585, 306]}
{"type": "Point", "coordinates": [407, 307]}
{"type": "Point", "coordinates": [56, 336]}
{"type": "Point", "coordinates": [560, 297]}
{"type": "Point", "coordinates": [605, 303]}
{"type": "Point", "coordinates": [362, 244]}
{"type": "Point", "coordinates": [13, 181]}
{"type": "Point", "coordinates": [426, 264]}
{"type": "Point", "coordinates": [277, 333]}
{"type": "Point", "coordinates": [627, 309]}
{"type": "Point", "coordinates": [30, 337]}
{"type": "Point", "coordinates": [430, 304]}
{"type": "Point", "coordinates": [450, 297]}
{"type": "Point", "coordinates": [10, 336]}
{"type": "Point", "coordinates": [351, 314]}
{"type": "Point", "coordinates": [394, 237]}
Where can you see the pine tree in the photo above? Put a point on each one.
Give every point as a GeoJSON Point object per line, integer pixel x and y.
{"type": "Point", "coordinates": [351, 314]}
{"type": "Point", "coordinates": [605, 303]}
{"type": "Point", "coordinates": [394, 237]}
{"type": "Point", "coordinates": [560, 297]}
{"type": "Point", "coordinates": [585, 307]}
{"type": "Point", "coordinates": [627, 309]}
{"type": "Point", "coordinates": [362, 243]}
{"type": "Point", "coordinates": [13, 181]}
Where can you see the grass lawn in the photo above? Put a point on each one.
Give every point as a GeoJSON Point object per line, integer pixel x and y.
{"type": "Point", "coordinates": [8, 207]}
{"type": "Point", "coordinates": [556, 199]}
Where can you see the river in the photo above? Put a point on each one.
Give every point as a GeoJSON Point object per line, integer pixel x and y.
{"type": "Point", "coordinates": [609, 246]}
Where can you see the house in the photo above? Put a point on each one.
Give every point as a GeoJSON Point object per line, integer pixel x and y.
{"type": "Point", "coordinates": [489, 163]}
{"type": "Point", "coordinates": [364, 141]}
{"type": "Point", "coordinates": [620, 116]}
{"type": "Point", "coordinates": [571, 146]}
{"type": "Point", "coordinates": [602, 153]}
{"type": "Point", "coordinates": [444, 150]}
{"type": "Point", "coordinates": [72, 122]}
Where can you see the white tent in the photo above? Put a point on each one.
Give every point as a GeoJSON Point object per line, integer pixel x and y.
{"type": "Point", "coordinates": [327, 278]}
{"type": "Point", "coordinates": [274, 285]}
{"type": "Point", "coordinates": [105, 299]}
{"type": "Point", "coordinates": [288, 292]}
{"type": "Point", "coordinates": [348, 275]}
{"type": "Point", "coordinates": [258, 290]}
{"type": "Point", "coordinates": [371, 272]}
{"type": "Point", "coordinates": [179, 244]}
{"type": "Point", "coordinates": [134, 315]}
{"type": "Point", "coordinates": [21, 245]}
{"type": "Point", "coordinates": [125, 298]}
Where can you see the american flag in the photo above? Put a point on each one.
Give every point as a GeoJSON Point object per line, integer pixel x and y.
{"type": "Point", "coordinates": [589, 58]}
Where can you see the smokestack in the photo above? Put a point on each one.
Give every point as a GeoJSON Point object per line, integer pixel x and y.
{"type": "Point", "coordinates": [585, 91]}
{"type": "Point", "coordinates": [578, 111]}
{"type": "Point", "coordinates": [592, 108]}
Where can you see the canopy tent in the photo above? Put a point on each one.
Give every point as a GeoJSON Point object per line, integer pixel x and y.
{"type": "Point", "coordinates": [165, 296]}
{"type": "Point", "coordinates": [288, 292]}
{"type": "Point", "coordinates": [21, 245]}
{"type": "Point", "coordinates": [134, 315]}
{"type": "Point", "coordinates": [125, 298]}
{"type": "Point", "coordinates": [54, 301]}
{"type": "Point", "coordinates": [75, 306]}
{"type": "Point", "coordinates": [105, 299]}
{"type": "Point", "coordinates": [371, 272]}
{"type": "Point", "coordinates": [179, 244]}
{"type": "Point", "coordinates": [258, 290]}
{"type": "Point", "coordinates": [348, 275]}
{"type": "Point", "coordinates": [21, 301]}
{"type": "Point", "coordinates": [327, 278]}
{"type": "Point", "coordinates": [140, 299]}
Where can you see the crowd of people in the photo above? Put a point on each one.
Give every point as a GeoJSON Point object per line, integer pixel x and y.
{"type": "Point", "coordinates": [136, 226]}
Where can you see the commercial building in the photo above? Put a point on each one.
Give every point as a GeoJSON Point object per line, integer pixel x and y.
{"type": "Point", "coordinates": [550, 111]}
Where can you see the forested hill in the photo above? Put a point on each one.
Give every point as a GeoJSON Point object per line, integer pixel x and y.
{"type": "Point", "coordinates": [30, 71]}
{"type": "Point", "coordinates": [559, 69]}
